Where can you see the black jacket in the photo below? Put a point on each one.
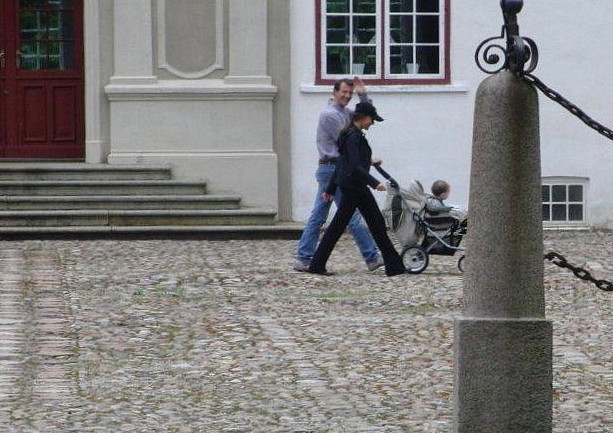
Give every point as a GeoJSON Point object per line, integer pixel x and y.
{"type": "Point", "coordinates": [352, 170]}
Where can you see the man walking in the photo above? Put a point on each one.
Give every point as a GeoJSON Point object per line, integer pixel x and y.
{"type": "Point", "coordinates": [333, 118]}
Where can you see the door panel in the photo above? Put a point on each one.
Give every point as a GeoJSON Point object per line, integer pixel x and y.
{"type": "Point", "coordinates": [49, 119]}
{"type": "Point", "coordinates": [42, 79]}
{"type": "Point", "coordinates": [3, 89]}
{"type": "Point", "coordinates": [32, 114]}
{"type": "Point", "coordinates": [2, 115]}
{"type": "Point", "coordinates": [63, 104]}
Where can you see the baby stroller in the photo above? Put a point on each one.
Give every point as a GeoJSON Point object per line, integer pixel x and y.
{"type": "Point", "coordinates": [420, 233]}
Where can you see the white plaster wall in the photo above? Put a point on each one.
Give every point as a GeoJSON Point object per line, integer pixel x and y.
{"type": "Point", "coordinates": [572, 40]}
{"type": "Point", "coordinates": [212, 129]}
{"type": "Point", "coordinates": [191, 126]}
{"type": "Point", "coordinates": [216, 133]}
{"type": "Point", "coordinates": [427, 133]}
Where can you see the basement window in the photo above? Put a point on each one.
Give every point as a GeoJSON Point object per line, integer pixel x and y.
{"type": "Point", "coordinates": [564, 201]}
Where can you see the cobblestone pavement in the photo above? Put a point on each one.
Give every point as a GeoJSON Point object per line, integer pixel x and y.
{"type": "Point", "coordinates": [222, 336]}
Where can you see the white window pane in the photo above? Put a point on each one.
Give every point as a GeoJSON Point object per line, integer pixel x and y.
{"type": "Point", "coordinates": [366, 56]}
{"type": "Point", "coordinates": [546, 192]}
{"type": "Point", "coordinates": [427, 5]}
{"type": "Point", "coordinates": [337, 60]}
{"type": "Point", "coordinates": [575, 212]}
{"type": "Point", "coordinates": [427, 29]}
{"type": "Point", "coordinates": [401, 5]}
{"type": "Point", "coordinates": [546, 212]}
{"type": "Point", "coordinates": [337, 30]}
{"type": "Point", "coordinates": [575, 192]}
{"type": "Point", "coordinates": [401, 29]}
{"type": "Point", "coordinates": [428, 60]}
{"type": "Point", "coordinates": [558, 193]}
{"type": "Point", "coordinates": [558, 212]}
{"type": "Point", "coordinates": [364, 6]}
{"type": "Point", "coordinates": [337, 6]}
{"type": "Point", "coordinates": [401, 60]}
{"type": "Point", "coordinates": [365, 29]}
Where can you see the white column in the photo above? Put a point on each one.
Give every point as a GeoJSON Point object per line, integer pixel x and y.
{"type": "Point", "coordinates": [133, 42]}
{"type": "Point", "coordinates": [96, 138]}
{"type": "Point", "coordinates": [248, 42]}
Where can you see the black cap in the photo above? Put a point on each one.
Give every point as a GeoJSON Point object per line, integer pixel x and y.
{"type": "Point", "coordinates": [368, 109]}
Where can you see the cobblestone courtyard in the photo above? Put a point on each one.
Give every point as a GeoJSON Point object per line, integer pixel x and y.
{"type": "Point", "coordinates": [222, 336]}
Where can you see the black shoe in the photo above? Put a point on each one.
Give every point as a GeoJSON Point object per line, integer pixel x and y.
{"type": "Point", "coordinates": [320, 272]}
{"type": "Point", "coordinates": [396, 272]}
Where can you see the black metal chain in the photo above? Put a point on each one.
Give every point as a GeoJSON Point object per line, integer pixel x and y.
{"type": "Point", "coordinates": [559, 260]}
{"type": "Point", "coordinates": [556, 97]}
{"type": "Point", "coordinates": [520, 55]}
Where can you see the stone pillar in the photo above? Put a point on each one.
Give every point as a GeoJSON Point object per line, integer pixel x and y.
{"type": "Point", "coordinates": [248, 43]}
{"type": "Point", "coordinates": [133, 46]}
{"type": "Point", "coordinates": [503, 343]}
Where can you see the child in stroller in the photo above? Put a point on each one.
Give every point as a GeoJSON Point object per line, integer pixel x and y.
{"type": "Point", "coordinates": [435, 206]}
{"type": "Point", "coordinates": [448, 223]}
{"type": "Point", "coordinates": [422, 231]}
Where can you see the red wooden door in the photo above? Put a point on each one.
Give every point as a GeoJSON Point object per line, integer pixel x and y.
{"type": "Point", "coordinates": [41, 79]}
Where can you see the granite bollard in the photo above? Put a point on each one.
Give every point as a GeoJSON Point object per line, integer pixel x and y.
{"type": "Point", "coordinates": [502, 341]}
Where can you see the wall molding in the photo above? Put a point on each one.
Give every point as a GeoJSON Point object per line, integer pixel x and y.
{"type": "Point", "coordinates": [219, 44]}
{"type": "Point", "coordinates": [196, 90]}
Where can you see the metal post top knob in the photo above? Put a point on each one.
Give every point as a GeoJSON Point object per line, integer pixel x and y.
{"type": "Point", "coordinates": [511, 6]}
{"type": "Point", "coordinates": [519, 55]}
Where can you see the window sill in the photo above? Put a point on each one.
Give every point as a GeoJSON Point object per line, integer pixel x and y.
{"type": "Point", "coordinates": [401, 88]}
{"type": "Point", "coordinates": [563, 226]}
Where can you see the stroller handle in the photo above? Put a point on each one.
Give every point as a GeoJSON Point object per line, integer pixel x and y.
{"type": "Point", "coordinates": [386, 175]}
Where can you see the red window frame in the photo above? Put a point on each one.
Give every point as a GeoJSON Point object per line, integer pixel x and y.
{"type": "Point", "coordinates": [381, 80]}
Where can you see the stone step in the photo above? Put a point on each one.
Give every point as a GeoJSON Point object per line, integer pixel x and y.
{"type": "Point", "coordinates": [277, 230]}
{"type": "Point", "coordinates": [68, 218]}
{"type": "Point", "coordinates": [100, 187]}
{"type": "Point", "coordinates": [81, 171]}
{"type": "Point", "coordinates": [60, 200]}
{"type": "Point", "coordinates": [116, 202]}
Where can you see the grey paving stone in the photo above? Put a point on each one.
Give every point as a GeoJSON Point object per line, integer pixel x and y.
{"type": "Point", "coordinates": [222, 336]}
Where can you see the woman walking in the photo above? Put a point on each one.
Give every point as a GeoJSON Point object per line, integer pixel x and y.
{"type": "Point", "coordinates": [353, 178]}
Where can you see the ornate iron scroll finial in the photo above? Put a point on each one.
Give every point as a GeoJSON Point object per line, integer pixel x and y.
{"type": "Point", "coordinates": [492, 57]}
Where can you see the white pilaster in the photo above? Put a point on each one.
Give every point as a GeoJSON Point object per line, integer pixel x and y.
{"type": "Point", "coordinates": [248, 42]}
{"type": "Point", "coordinates": [96, 138]}
{"type": "Point", "coordinates": [133, 42]}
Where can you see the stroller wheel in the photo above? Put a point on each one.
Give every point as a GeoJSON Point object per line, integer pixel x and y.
{"type": "Point", "coordinates": [461, 263]}
{"type": "Point", "coordinates": [415, 259]}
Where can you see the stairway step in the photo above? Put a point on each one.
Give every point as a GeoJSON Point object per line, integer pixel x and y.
{"type": "Point", "coordinates": [278, 230]}
{"type": "Point", "coordinates": [59, 218]}
{"type": "Point", "coordinates": [125, 202]}
{"type": "Point", "coordinates": [57, 200]}
{"type": "Point", "coordinates": [68, 171]}
{"type": "Point", "coordinates": [100, 187]}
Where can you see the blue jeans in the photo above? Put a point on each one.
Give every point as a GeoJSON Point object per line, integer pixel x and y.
{"type": "Point", "coordinates": [319, 215]}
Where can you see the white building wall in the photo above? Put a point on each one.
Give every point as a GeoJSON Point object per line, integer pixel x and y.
{"type": "Point", "coordinates": [427, 133]}
{"type": "Point", "coordinates": [572, 61]}
{"type": "Point", "coordinates": [213, 124]}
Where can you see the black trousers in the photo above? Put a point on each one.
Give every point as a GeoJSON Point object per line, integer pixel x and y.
{"type": "Point", "coordinates": [365, 202]}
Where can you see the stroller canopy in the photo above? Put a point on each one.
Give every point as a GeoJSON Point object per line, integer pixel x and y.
{"type": "Point", "coordinates": [400, 205]}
